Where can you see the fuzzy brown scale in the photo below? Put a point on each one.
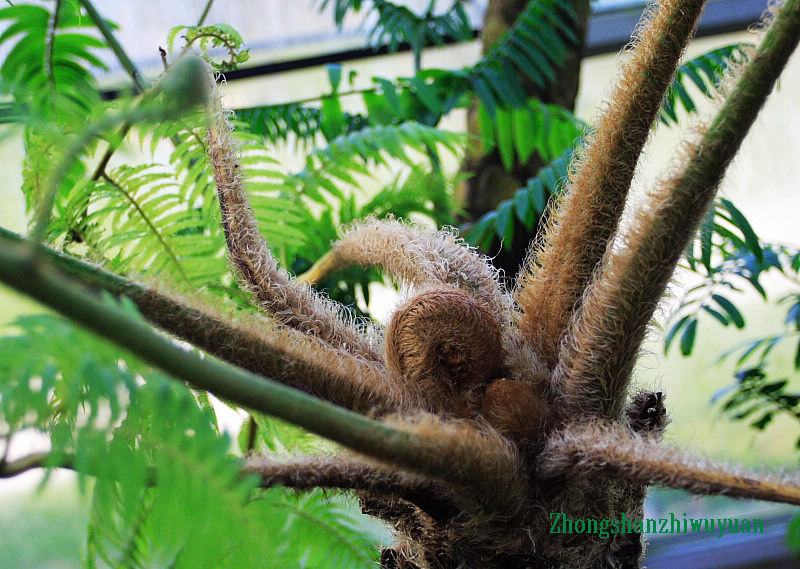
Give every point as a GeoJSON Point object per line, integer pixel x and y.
{"type": "Point", "coordinates": [516, 404]}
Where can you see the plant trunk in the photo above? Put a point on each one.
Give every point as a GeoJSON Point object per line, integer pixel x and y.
{"type": "Point", "coordinates": [490, 182]}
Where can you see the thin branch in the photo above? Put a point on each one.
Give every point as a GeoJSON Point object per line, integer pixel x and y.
{"type": "Point", "coordinates": [204, 15]}
{"type": "Point", "coordinates": [470, 459]}
{"type": "Point", "coordinates": [138, 79]}
{"type": "Point", "coordinates": [596, 365]}
{"type": "Point", "coordinates": [71, 154]}
{"type": "Point", "coordinates": [100, 169]}
{"type": "Point", "coordinates": [33, 461]}
{"type": "Point", "coordinates": [52, 26]}
{"type": "Point", "coordinates": [610, 451]}
{"type": "Point", "coordinates": [553, 279]}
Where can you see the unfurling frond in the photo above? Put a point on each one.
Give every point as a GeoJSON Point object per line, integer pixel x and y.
{"type": "Point", "coordinates": [415, 257]}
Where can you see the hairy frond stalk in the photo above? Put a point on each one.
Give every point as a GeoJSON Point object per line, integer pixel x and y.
{"type": "Point", "coordinates": [604, 340]}
{"type": "Point", "coordinates": [554, 278]}
{"type": "Point", "coordinates": [290, 302]}
{"type": "Point", "coordinates": [609, 451]}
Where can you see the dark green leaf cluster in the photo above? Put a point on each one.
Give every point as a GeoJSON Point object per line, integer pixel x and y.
{"type": "Point", "coordinates": [755, 397]}
{"type": "Point", "coordinates": [533, 48]}
{"type": "Point", "coordinates": [730, 258]}
{"type": "Point", "coordinates": [275, 123]}
{"type": "Point", "coordinates": [537, 128]}
{"type": "Point", "coordinates": [527, 206]}
{"type": "Point", "coordinates": [727, 254]}
{"type": "Point", "coordinates": [396, 24]}
{"type": "Point", "coordinates": [705, 72]}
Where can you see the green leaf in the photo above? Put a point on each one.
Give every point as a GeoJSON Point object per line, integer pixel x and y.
{"type": "Point", "coordinates": [332, 121]}
{"type": "Point", "coordinates": [730, 309]}
{"type": "Point", "coordinates": [486, 96]}
{"type": "Point", "coordinates": [720, 317]}
{"type": "Point", "coordinates": [503, 138]}
{"type": "Point", "coordinates": [522, 131]}
{"type": "Point", "coordinates": [740, 221]}
{"type": "Point", "coordinates": [705, 72]}
{"type": "Point", "coordinates": [688, 336]}
{"type": "Point", "coordinates": [523, 211]}
{"type": "Point", "coordinates": [793, 529]}
{"type": "Point", "coordinates": [335, 76]}
{"type": "Point", "coordinates": [504, 222]}
{"type": "Point", "coordinates": [677, 327]}
{"type": "Point", "coordinates": [762, 423]}
{"type": "Point", "coordinates": [426, 95]}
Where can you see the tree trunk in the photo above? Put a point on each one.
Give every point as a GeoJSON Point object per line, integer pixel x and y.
{"type": "Point", "coordinates": [490, 183]}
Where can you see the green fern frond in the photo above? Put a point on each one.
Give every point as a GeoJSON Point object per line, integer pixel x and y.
{"type": "Point", "coordinates": [168, 491]}
{"type": "Point", "coordinates": [275, 204]}
{"type": "Point", "coordinates": [705, 72]}
{"type": "Point", "coordinates": [397, 24]}
{"type": "Point", "coordinates": [47, 69]}
{"type": "Point", "coordinates": [353, 154]}
{"type": "Point", "coordinates": [213, 39]}
{"type": "Point", "coordinates": [275, 123]}
{"type": "Point", "coordinates": [419, 191]}
{"type": "Point", "coordinates": [533, 48]}
{"type": "Point", "coordinates": [518, 133]}
{"type": "Point", "coordinates": [47, 72]}
{"type": "Point", "coordinates": [342, 538]}
{"type": "Point", "coordinates": [526, 207]}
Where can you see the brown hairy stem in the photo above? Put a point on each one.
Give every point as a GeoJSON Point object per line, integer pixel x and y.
{"type": "Point", "coordinates": [554, 278]}
{"type": "Point", "coordinates": [351, 473]}
{"type": "Point", "coordinates": [414, 256]}
{"type": "Point", "coordinates": [609, 450]}
{"type": "Point", "coordinates": [252, 343]}
{"type": "Point", "coordinates": [284, 354]}
{"type": "Point", "coordinates": [290, 302]}
{"type": "Point", "coordinates": [604, 340]}
{"type": "Point", "coordinates": [479, 465]}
